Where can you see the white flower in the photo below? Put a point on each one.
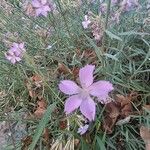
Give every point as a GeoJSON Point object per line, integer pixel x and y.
{"type": "Point", "coordinates": [86, 22]}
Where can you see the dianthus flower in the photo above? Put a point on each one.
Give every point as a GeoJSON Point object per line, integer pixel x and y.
{"type": "Point", "coordinates": [15, 53]}
{"type": "Point", "coordinates": [42, 7]}
{"type": "Point", "coordinates": [81, 96]}
{"type": "Point", "coordinates": [127, 5]}
{"type": "Point", "coordinates": [83, 129]}
{"type": "Point", "coordinates": [86, 22]}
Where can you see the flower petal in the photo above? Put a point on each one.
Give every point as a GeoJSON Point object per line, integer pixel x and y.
{"type": "Point", "coordinates": [36, 3]}
{"type": "Point", "coordinates": [88, 108]}
{"type": "Point", "coordinates": [17, 53]}
{"type": "Point", "coordinates": [15, 45]}
{"type": "Point", "coordinates": [85, 24]}
{"type": "Point", "coordinates": [8, 57]}
{"type": "Point", "coordinates": [10, 52]}
{"type": "Point", "coordinates": [101, 89]}
{"type": "Point", "coordinates": [44, 13]}
{"type": "Point", "coordinates": [69, 87]}
{"type": "Point", "coordinates": [72, 103]}
{"type": "Point", "coordinates": [43, 2]}
{"type": "Point", "coordinates": [86, 75]}
{"type": "Point", "coordinates": [18, 59]}
{"type": "Point", "coordinates": [85, 17]}
{"type": "Point", "coordinates": [13, 60]}
{"type": "Point", "coordinates": [21, 46]}
{"type": "Point", "coordinates": [83, 129]}
{"type": "Point", "coordinates": [38, 11]}
{"type": "Point", "coordinates": [46, 8]}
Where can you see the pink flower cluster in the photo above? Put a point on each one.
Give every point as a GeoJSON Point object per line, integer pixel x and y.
{"type": "Point", "coordinates": [82, 96]}
{"type": "Point", "coordinates": [95, 26]}
{"type": "Point", "coordinates": [128, 5]}
{"type": "Point", "coordinates": [86, 22]}
{"type": "Point", "coordinates": [15, 53]}
{"type": "Point", "coordinates": [42, 7]}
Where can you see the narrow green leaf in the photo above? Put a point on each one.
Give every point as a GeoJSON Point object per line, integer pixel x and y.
{"type": "Point", "coordinates": [42, 125]}
{"type": "Point", "coordinates": [111, 56]}
{"type": "Point", "coordinates": [97, 49]}
{"type": "Point", "coordinates": [133, 33]}
{"type": "Point", "coordinates": [84, 145]}
{"type": "Point", "coordinates": [113, 36]}
{"type": "Point", "coordinates": [100, 143]}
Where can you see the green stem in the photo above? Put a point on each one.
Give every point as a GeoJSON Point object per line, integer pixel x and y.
{"type": "Point", "coordinates": [106, 25]}
{"type": "Point", "coordinates": [64, 18]}
{"type": "Point", "coordinates": [107, 13]}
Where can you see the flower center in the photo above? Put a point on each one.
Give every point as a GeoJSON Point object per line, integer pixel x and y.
{"type": "Point", "coordinates": [84, 93]}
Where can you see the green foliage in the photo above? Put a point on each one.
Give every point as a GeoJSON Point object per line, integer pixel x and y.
{"type": "Point", "coordinates": [42, 125]}
{"type": "Point", "coordinates": [123, 58]}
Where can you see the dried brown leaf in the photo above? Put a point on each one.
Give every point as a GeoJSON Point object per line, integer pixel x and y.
{"type": "Point", "coordinates": [111, 115]}
{"type": "Point", "coordinates": [62, 68]}
{"type": "Point", "coordinates": [26, 142]}
{"type": "Point", "coordinates": [147, 107]}
{"type": "Point", "coordinates": [29, 87]}
{"type": "Point", "coordinates": [145, 135]}
{"type": "Point", "coordinates": [75, 72]}
{"type": "Point", "coordinates": [76, 142]}
{"type": "Point", "coordinates": [42, 105]}
{"type": "Point", "coordinates": [33, 85]}
{"type": "Point", "coordinates": [117, 110]}
{"type": "Point", "coordinates": [46, 136]}
{"type": "Point", "coordinates": [29, 10]}
{"type": "Point", "coordinates": [44, 33]}
{"type": "Point", "coordinates": [87, 54]}
{"type": "Point", "coordinates": [125, 104]}
{"type": "Point", "coordinates": [63, 124]}
{"type": "Point", "coordinates": [37, 80]}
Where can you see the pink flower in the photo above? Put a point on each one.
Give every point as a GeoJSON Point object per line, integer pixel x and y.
{"type": "Point", "coordinates": [83, 129]}
{"type": "Point", "coordinates": [103, 8]}
{"type": "Point", "coordinates": [86, 22]}
{"type": "Point", "coordinates": [114, 2]}
{"type": "Point", "coordinates": [127, 5]}
{"type": "Point", "coordinates": [81, 97]}
{"type": "Point", "coordinates": [15, 53]}
{"type": "Point", "coordinates": [115, 17]}
{"type": "Point", "coordinates": [42, 7]}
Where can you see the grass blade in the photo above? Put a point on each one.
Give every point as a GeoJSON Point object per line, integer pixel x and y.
{"type": "Point", "coordinates": [41, 126]}
{"type": "Point", "coordinates": [113, 36]}
{"type": "Point", "coordinates": [100, 143]}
